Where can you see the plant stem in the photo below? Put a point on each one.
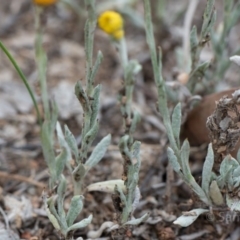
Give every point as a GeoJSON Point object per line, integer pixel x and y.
{"type": "Point", "coordinates": [157, 71]}
{"type": "Point", "coordinates": [41, 61]}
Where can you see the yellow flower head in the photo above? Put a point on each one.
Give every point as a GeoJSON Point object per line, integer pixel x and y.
{"type": "Point", "coordinates": [44, 3]}
{"type": "Point", "coordinates": [112, 23]}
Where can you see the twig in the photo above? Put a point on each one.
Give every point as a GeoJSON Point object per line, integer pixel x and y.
{"type": "Point", "coordinates": [169, 185]}
{"type": "Point", "coordinates": [21, 179]}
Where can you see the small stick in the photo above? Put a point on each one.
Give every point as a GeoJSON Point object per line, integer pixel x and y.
{"type": "Point", "coordinates": [21, 179]}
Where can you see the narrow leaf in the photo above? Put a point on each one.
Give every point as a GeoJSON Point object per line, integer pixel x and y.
{"type": "Point", "coordinates": [47, 146]}
{"type": "Point", "coordinates": [137, 221]}
{"type": "Point", "coordinates": [189, 217]}
{"type": "Point", "coordinates": [61, 160]}
{"type": "Point", "coordinates": [53, 220]}
{"type": "Point", "coordinates": [63, 143]}
{"type": "Point", "coordinates": [176, 122]}
{"type": "Point", "coordinates": [185, 151]}
{"type": "Point", "coordinates": [95, 104]}
{"type": "Point", "coordinates": [98, 152]}
{"type": "Point", "coordinates": [54, 117]}
{"type": "Point", "coordinates": [235, 59]}
{"type": "Point", "coordinates": [60, 199]}
{"type": "Point", "coordinates": [82, 224]}
{"type": "Point", "coordinates": [74, 209]}
{"type": "Point", "coordinates": [123, 197]}
{"type": "Point", "coordinates": [52, 214]}
{"type": "Point", "coordinates": [225, 166]}
{"type": "Point", "coordinates": [95, 69]}
{"type": "Point", "coordinates": [198, 190]}
{"type": "Point", "coordinates": [136, 119]}
{"type": "Point", "coordinates": [82, 97]}
{"type": "Point", "coordinates": [71, 141]}
{"type": "Point", "coordinates": [79, 172]}
{"type": "Point", "coordinates": [215, 194]}
{"type": "Point", "coordinates": [107, 186]}
{"type": "Point", "coordinates": [207, 169]}
{"type": "Point", "coordinates": [90, 136]}
{"type": "Point", "coordinates": [135, 150]}
{"type": "Point", "coordinates": [173, 160]}
{"type": "Point", "coordinates": [194, 44]}
{"type": "Point", "coordinates": [207, 17]}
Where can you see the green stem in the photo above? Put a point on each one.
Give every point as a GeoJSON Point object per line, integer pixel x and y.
{"type": "Point", "coordinates": [41, 60]}
{"type": "Point", "coordinates": [123, 54]}
{"type": "Point", "coordinates": [20, 73]}
{"type": "Point", "coordinates": [89, 39]}
{"type": "Point", "coordinates": [161, 10]}
{"type": "Point", "coordinates": [128, 83]}
{"type": "Point", "coordinates": [157, 71]}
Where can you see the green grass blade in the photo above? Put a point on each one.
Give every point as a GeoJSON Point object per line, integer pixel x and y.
{"type": "Point", "coordinates": [20, 73]}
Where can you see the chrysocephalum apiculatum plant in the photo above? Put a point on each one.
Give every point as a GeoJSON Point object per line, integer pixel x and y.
{"type": "Point", "coordinates": [88, 96]}
{"type": "Point", "coordinates": [200, 76]}
{"type": "Point", "coordinates": [219, 40]}
{"type": "Point", "coordinates": [126, 193]}
{"type": "Point", "coordinates": [217, 188]}
{"type": "Point", "coordinates": [199, 69]}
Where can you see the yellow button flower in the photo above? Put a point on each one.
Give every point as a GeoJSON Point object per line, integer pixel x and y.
{"type": "Point", "coordinates": [112, 23]}
{"type": "Point", "coordinates": [44, 3]}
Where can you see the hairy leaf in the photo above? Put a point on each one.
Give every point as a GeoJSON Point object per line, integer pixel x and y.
{"type": "Point", "coordinates": [98, 152]}
{"type": "Point", "coordinates": [74, 209]}
{"type": "Point", "coordinates": [207, 170]}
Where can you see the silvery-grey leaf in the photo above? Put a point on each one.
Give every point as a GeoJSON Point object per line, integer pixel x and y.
{"type": "Point", "coordinates": [189, 217]}
{"type": "Point", "coordinates": [74, 209]}
{"type": "Point", "coordinates": [82, 224]}
{"type": "Point", "coordinates": [53, 219]}
{"type": "Point", "coordinates": [233, 203]}
{"type": "Point", "coordinates": [135, 120]}
{"type": "Point", "coordinates": [236, 182]}
{"type": "Point", "coordinates": [71, 141]}
{"type": "Point", "coordinates": [215, 194]}
{"type": "Point", "coordinates": [173, 160]}
{"type": "Point", "coordinates": [235, 59]}
{"type": "Point", "coordinates": [193, 42]}
{"type": "Point", "coordinates": [137, 221]}
{"type": "Point", "coordinates": [176, 121]}
{"type": "Point", "coordinates": [61, 160]}
{"type": "Point", "coordinates": [96, 66]}
{"type": "Point", "coordinates": [185, 151]}
{"type": "Point", "coordinates": [48, 151]}
{"type": "Point", "coordinates": [236, 172]}
{"type": "Point", "coordinates": [225, 166]}
{"type": "Point", "coordinates": [207, 169]}
{"type": "Point", "coordinates": [95, 104]}
{"type": "Point", "coordinates": [63, 142]}
{"type": "Point", "coordinates": [98, 152]}
{"type": "Point", "coordinates": [208, 19]}
{"type": "Point", "coordinates": [60, 199]}
{"type": "Point", "coordinates": [107, 186]}
{"type": "Point", "coordinates": [98, 233]}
